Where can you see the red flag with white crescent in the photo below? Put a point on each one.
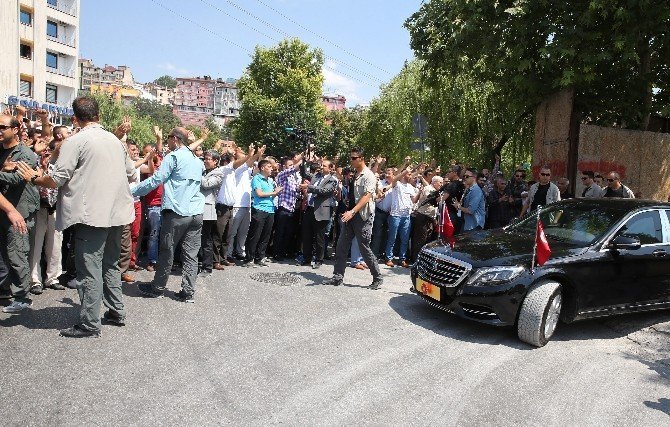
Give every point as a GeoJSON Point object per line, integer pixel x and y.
{"type": "Point", "coordinates": [446, 226]}
{"type": "Point", "coordinates": [543, 250]}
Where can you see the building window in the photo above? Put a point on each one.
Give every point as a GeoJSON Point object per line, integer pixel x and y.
{"type": "Point", "coordinates": [53, 3]}
{"type": "Point", "coordinates": [52, 93]}
{"type": "Point", "coordinates": [52, 29]}
{"type": "Point", "coordinates": [52, 60]}
{"type": "Point", "coordinates": [26, 18]}
{"type": "Point", "coordinates": [26, 88]}
{"type": "Point", "coordinates": [25, 51]}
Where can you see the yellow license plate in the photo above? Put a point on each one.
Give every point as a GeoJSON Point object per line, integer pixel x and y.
{"type": "Point", "coordinates": [427, 289]}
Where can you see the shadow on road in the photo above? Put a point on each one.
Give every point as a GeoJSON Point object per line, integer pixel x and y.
{"type": "Point", "coordinates": [415, 310]}
{"type": "Point", "coordinates": [59, 317]}
{"type": "Point", "coordinates": [411, 308]}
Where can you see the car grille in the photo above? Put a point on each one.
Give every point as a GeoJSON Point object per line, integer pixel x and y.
{"type": "Point", "coordinates": [441, 270]}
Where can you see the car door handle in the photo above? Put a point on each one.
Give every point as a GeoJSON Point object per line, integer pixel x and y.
{"type": "Point", "coordinates": [659, 253]}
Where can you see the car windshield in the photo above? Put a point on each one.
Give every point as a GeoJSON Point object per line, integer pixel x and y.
{"type": "Point", "coordinates": [577, 223]}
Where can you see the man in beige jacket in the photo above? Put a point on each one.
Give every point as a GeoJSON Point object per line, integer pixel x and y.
{"type": "Point", "coordinates": [92, 172]}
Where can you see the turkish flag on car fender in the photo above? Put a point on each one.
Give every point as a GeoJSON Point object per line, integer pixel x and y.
{"type": "Point", "coordinates": [543, 251]}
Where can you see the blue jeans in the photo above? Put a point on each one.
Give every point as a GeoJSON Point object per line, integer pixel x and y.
{"type": "Point", "coordinates": [154, 216]}
{"type": "Point", "coordinates": [398, 225]}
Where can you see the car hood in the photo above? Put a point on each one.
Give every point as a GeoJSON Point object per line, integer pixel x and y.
{"type": "Point", "coordinates": [499, 247]}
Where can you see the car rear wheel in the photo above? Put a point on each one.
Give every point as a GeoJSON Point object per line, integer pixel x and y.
{"type": "Point", "coordinates": [540, 312]}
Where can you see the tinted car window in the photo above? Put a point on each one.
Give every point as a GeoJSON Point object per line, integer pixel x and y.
{"type": "Point", "coordinates": [646, 226]}
{"type": "Point", "coordinates": [578, 223]}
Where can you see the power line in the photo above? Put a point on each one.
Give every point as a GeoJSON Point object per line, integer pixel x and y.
{"type": "Point", "coordinates": [285, 34]}
{"type": "Point", "coordinates": [320, 36]}
{"type": "Point", "coordinates": [240, 46]}
{"type": "Point", "coordinates": [202, 27]}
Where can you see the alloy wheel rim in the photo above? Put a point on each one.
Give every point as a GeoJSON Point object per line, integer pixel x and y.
{"type": "Point", "coordinates": [553, 315]}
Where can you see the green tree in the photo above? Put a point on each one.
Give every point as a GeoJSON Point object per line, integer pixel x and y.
{"type": "Point", "coordinates": [166, 81]}
{"type": "Point", "coordinates": [281, 88]}
{"type": "Point", "coordinates": [614, 53]}
{"type": "Point", "coordinates": [467, 121]}
{"type": "Point", "coordinates": [159, 114]}
{"type": "Point", "coordinates": [345, 128]}
{"type": "Point", "coordinates": [112, 113]}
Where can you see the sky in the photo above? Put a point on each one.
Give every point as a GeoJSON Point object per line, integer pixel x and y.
{"type": "Point", "coordinates": [364, 41]}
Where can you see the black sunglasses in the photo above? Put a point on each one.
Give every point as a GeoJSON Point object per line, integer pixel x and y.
{"type": "Point", "coordinates": [545, 174]}
{"type": "Point", "coordinates": [584, 178]}
{"type": "Point", "coordinates": [610, 180]}
{"type": "Point", "coordinates": [468, 176]}
{"type": "Point", "coordinates": [4, 127]}
{"type": "Point", "coordinates": [355, 157]}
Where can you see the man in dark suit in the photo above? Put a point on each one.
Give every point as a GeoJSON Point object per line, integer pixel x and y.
{"type": "Point", "coordinates": [319, 210]}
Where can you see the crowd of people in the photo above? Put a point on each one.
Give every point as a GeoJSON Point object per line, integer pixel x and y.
{"type": "Point", "coordinates": [84, 207]}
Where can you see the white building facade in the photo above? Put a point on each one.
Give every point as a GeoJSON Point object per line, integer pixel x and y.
{"type": "Point", "coordinates": [39, 54]}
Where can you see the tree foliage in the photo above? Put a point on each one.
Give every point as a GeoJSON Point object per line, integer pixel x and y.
{"type": "Point", "coordinates": [612, 52]}
{"type": "Point", "coordinates": [112, 113]}
{"type": "Point", "coordinates": [468, 121]}
{"type": "Point", "coordinates": [281, 88]}
{"type": "Point", "coordinates": [161, 115]}
{"type": "Point", "coordinates": [166, 81]}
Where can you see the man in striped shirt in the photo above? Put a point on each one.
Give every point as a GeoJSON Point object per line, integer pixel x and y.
{"type": "Point", "coordinates": [289, 179]}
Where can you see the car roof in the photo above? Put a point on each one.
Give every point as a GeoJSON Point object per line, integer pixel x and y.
{"type": "Point", "coordinates": [628, 204]}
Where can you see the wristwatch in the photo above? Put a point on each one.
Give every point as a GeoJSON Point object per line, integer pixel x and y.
{"type": "Point", "coordinates": [33, 178]}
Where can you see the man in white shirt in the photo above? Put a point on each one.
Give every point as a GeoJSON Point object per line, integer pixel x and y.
{"type": "Point", "coordinates": [403, 197]}
{"type": "Point", "coordinates": [241, 213]}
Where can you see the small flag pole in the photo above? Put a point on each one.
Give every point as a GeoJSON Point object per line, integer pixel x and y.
{"type": "Point", "coordinates": [537, 229]}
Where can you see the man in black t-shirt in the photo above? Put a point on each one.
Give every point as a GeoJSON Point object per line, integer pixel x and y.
{"type": "Point", "coordinates": [616, 189]}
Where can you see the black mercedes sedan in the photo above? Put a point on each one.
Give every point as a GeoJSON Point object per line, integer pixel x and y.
{"type": "Point", "coordinates": [608, 256]}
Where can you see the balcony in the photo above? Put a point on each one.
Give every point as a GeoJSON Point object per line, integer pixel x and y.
{"type": "Point", "coordinates": [68, 7]}
{"type": "Point", "coordinates": [64, 36]}
{"type": "Point", "coordinates": [62, 70]}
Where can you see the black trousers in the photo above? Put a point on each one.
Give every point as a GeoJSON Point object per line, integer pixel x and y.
{"type": "Point", "coordinates": [224, 215]}
{"type": "Point", "coordinates": [207, 244]}
{"type": "Point", "coordinates": [284, 232]}
{"type": "Point", "coordinates": [313, 236]}
{"type": "Point", "coordinates": [259, 234]}
{"type": "Point", "coordinates": [422, 232]}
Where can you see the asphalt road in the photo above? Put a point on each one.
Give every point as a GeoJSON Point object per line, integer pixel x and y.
{"type": "Point", "coordinates": [252, 353]}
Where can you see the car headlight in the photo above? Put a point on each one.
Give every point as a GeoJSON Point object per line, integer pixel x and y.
{"type": "Point", "coordinates": [487, 276]}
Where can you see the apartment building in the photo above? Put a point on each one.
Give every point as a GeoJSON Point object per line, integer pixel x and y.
{"type": "Point", "coordinates": [333, 102]}
{"type": "Point", "coordinates": [226, 103]}
{"type": "Point", "coordinates": [109, 75]}
{"type": "Point", "coordinates": [39, 54]}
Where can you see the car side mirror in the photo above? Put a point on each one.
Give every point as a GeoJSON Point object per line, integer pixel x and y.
{"type": "Point", "coordinates": [625, 242]}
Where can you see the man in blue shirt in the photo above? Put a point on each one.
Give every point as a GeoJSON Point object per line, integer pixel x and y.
{"type": "Point", "coordinates": [183, 204]}
{"type": "Point", "coordinates": [473, 206]}
{"type": "Point", "coordinates": [263, 192]}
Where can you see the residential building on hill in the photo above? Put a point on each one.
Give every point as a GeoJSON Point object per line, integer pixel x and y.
{"type": "Point", "coordinates": [108, 75]}
{"type": "Point", "coordinates": [334, 102]}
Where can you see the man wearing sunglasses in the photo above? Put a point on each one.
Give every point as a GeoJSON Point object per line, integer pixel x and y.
{"type": "Point", "coordinates": [616, 189]}
{"type": "Point", "coordinates": [473, 207]}
{"type": "Point", "coordinates": [591, 189]}
{"type": "Point", "coordinates": [517, 186]}
{"type": "Point", "coordinates": [15, 246]}
{"type": "Point", "coordinates": [183, 205]}
{"type": "Point", "coordinates": [542, 193]}
{"type": "Point", "coordinates": [358, 222]}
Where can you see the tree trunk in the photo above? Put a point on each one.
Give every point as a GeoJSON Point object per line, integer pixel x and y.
{"type": "Point", "coordinates": [645, 69]}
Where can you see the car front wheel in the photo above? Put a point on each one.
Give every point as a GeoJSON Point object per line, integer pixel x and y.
{"type": "Point", "coordinates": [540, 313]}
